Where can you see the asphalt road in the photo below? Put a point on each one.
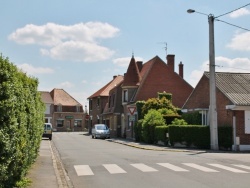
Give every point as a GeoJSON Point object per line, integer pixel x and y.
{"type": "Point", "coordinates": [99, 163]}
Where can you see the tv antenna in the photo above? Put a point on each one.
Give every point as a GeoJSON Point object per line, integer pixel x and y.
{"type": "Point", "coordinates": [166, 46]}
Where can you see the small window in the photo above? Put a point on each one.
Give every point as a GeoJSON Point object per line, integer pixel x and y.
{"type": "Point", "coordinates": [59, 123]}
{"type": "Point", "coordinates": [125, 96]}
{"type": "Point", "coordinates": [59, 108]}
{"type": "Point", "coordinates": [78, 108]}
{"type": "Point", "coordinates": [78, 123]}
{"type": "Point", "coordinates": [90, 104]}
{"type": "Point", "coordinates": [98, 101]}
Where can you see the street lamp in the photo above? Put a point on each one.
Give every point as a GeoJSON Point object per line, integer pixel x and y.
{"type": "Point", "coordinates": [212, 86]}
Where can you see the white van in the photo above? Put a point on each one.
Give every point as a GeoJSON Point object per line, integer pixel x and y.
{"type": "Point", "coordinates": [47, 130]}
{"type": "Point", "coordinates": [100, 131]}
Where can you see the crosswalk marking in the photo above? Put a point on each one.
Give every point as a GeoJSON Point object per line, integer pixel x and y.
{"type": "Point", "coordinates": [228, 168]}
{"type": "Point", "coordinates": [199, 167]}
{"type": "Point", "coordinates": [144, 168]}
{"type": "Point", "coordinates": [173, 167]}
{"type": "Point", "coordinates": [114, 169]}
{"type": "Point", "coordinates": [242, 166]}
{"type": "Point", "coordinates": [83, 170]}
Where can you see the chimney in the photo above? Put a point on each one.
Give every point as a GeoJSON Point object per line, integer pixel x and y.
{"type": "Point", "coordinates": [181, 69]}
{"type": "Point", "coordinates": [114, 77]}
{"type": "Point", "coordinates": [139, 65]}
{"type": "Point", "coordinates": [170, 61]}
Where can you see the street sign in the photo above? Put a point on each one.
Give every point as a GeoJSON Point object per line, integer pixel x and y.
{"type": "Point", "coordinates": [132, 109]}
{"type": "Point", "coordinates": [131, 118]}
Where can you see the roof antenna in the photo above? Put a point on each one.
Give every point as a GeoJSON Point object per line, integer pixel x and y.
{"type": "Point", "coordinates": [166, 46]}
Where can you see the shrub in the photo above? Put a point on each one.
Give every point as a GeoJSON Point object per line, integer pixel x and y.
{"type": "Point", "coordinates": [160, 134]}
{"type": "Point", "coordinates": [152, 119]}
{"type": "Point", "coordinates": [138, 130]}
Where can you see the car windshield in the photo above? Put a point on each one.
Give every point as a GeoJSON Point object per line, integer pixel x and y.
{"type": "Point", "coordinates": [101, 127]}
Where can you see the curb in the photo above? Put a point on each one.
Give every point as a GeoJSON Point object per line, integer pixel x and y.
{"type": "Point", "coordinates": [63, 179]}
{"type": "Point", "coordinates": [155, 149]}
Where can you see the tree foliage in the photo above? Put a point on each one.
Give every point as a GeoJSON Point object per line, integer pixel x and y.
{"type": "Point", "coordinates": [21, 122]}
{"type": "Point", "coordinates": [152, 119]}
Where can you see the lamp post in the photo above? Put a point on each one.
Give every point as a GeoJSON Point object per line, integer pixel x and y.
{"type": "Point", "coordinates": [212, 85]}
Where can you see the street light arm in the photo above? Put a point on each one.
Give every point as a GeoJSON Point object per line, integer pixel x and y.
{"type": "Point", "coordinates": [192, 11]}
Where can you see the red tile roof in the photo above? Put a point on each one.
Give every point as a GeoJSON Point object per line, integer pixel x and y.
{"type": "Point", "coordinates": [104, 91]}
{"type": "Point", "coordinates": [63, 98]}
{"type": "Point", "coordinates": [46, 97]}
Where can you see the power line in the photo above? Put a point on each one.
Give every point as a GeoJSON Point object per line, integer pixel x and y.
{"type": "Point", "coordinates": [233, 25]}
{"type": "Point", "coordinates": [232, 11]}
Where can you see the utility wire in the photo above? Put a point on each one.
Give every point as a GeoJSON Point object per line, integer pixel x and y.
{"type": "Point", "coordinates": [233, 25]}
{"type": "Point", "coordinates": [232, 11]}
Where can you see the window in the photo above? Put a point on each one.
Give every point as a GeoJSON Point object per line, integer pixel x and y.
{"type": "Point", "coordinates": [98, 101]}
{"type": "Point", "coordinates": [90, 104]}
{"type": "Point", "coordinates": [78, 108]}
{"type": "Point", "coordinates": [113, 100]}
{"type": "Point", "coordinates": [59, 108]}
{"type": "Point", "coordinates": [59, 123]}
{"type": "Point", "coordinates": [78, 123]}
{"type": "Point", "coordinates": [125, 95]}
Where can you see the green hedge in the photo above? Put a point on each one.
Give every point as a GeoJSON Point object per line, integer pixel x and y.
{"type": "Point", "coordinates": [21, 123]}
{"type": "Point", "coordinates": [160, 134]}
{"type": "Point", "coordinates": [199, 136]}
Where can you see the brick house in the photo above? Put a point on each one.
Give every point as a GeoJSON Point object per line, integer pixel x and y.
{"type": "Point", "coordinates": [141, 82]}
{"type": "Point", "coordinates": [99, 100]}
{"type": "Point", "coordinates": [49, 104]}
{"type": "Point", "coordinates": [232, 101]}
{"type": "Point", "coordinates": [144, 81]}
{"type": "Point", "coordinates": [64, 112]}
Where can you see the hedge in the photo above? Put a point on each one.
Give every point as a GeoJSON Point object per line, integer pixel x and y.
{"type": "Point", "coordinates": [21, 123]}
{"type": "Point", "coordinates": [199, 136]}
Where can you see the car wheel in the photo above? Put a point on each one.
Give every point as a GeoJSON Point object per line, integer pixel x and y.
{"type": "Point", "coordinates": [92, 136]}
{"type": "Point", "coordinates": [50, 138]}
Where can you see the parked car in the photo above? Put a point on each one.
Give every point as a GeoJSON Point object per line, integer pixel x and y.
{"type": "Point", "coordinates": [100, 131]}
{"type": "Point", "coordinates": [47, 133]}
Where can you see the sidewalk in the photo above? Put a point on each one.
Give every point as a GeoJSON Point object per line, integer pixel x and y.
{"type": "Point", "coordinates": [42, 173]}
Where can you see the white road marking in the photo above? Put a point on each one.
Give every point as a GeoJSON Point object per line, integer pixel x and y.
{"type": "Point", "coordinates": [199, 167]}
{"type": "Point", "coordinates": [242, 166]}
{"type": "Point", "coordinates": [83, 170]}
{"type": "Point", "coordinates": [173, 167]}
{"type": "Point", "coordinates": [228, 168]}
{"type": "Point", "coordinates": [143, 167]}
{"type": "Point", "coordinates": [114, 169]}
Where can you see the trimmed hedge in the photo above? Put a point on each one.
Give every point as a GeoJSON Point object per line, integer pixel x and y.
{"type": "Point", "coordinates": [21, 123]}
{"type": "Point", "coordinates": [199, 136]}
{"type": "Point", "coordinates": [160, 134]}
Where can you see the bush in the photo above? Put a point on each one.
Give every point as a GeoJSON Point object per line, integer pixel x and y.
{"type": "Point", "coordinates": [160, 134]}
{"type": "Point", "coordinates": [192, 135]}
{"type": "Point", "coordinates": [138, 131]}
{"type": "Point", "coordinates": [21, 123]}
{"type": "Point", "coordinates": [152, 119]}
{"type": "Point", "coordinates": [225, 137]}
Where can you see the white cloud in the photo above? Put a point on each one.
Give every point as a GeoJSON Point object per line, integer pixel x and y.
{"type": "Point", "coordinates": [240, 41]}
{"type": "Point", "coordinates": [223, 64]}
{"type": "Point", "coordinates": [79, 42]}
{"type": "Point", "coordinates": [240, 12]}
{"type": "Point", "coordinates": [27, 68]}
{"type": "Point", "coordinates": [124, 61]}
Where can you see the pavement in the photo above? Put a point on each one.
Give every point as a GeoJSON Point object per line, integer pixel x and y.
{"type": "Point", "coordinates": [48, 170]}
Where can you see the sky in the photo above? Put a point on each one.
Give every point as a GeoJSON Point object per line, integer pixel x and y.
{"type": "Point", "coordinates": [79, 45]}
